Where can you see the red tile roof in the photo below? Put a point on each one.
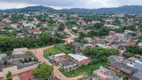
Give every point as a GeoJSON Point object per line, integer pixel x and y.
{"type": "Point", "coordinates": [26, 75]}
{"type": "Point", "coordinates": [130, 43]}
{"type": "Point", "coordinates": [1, 78]}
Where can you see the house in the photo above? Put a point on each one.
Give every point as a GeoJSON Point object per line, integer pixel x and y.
{"type": "Point", "coordinates": [28, 25]}
{"type": "Point", "coordinates": [85, 31]}
{"type": "Point", "coordinates": [89, 40]}
{"type": "Point", "coordinates": [85, 46]}
{"type": "Point", "coordinates": [20, 50]}
{"type": "Point", "coordinates": [105, 74]}
{"type": "Point", "coordinates": [102, 46]}
{"type": "Point", "coordinates": [74, 28]}
{"type": "Point", "coordinates": [121, 67]}
{"type": "Point", "coordinates": [109, 21]}
{"type": "Point", "coordinates": [44, 25]}
{"type": "Point", "coordinates": [136, 76]}
{"type": "Point", "coordinates": [35, 31]}
{"type": "Point", "coordinates": [112, 26]}
{"type": "Point", "coordinates": [93, 22]}
{"type": "Point", "coordinates": [129, 43]}
{"type": "Point", "coordinates": [140, 45]}
{"type": "Point", "coordinates": [14, 26]}
{"type": "Point", "coordinates": [6, 20]}
{"type": "Point", "coordinates": [126, 32]}
{"type": "Point", "coordinates": [112, 33]}
{"type": "Point", "coordinates": [79, 59]}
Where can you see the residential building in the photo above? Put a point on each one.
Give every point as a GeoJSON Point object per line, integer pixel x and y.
{"type": "Point", "coordinates": [121, 67]}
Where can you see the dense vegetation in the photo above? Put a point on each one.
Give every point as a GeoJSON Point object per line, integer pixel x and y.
{"type": "Point", "coordinates": [134, 49]}
{"type": "Point", "coordinates": [8, 43]}
{"type": "Point", "coordinates": [43, 71]}
{"type": "Point", "coordinates": [100, 52]}
{"type": "Point", "coordinates": [99, 30]}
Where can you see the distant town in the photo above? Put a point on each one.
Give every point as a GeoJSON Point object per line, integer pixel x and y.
{"type": "Point", "coordinates": [51, 45]}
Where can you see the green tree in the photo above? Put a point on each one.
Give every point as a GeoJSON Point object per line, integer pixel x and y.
{"type": "Point", "coordinates": [8, 75]}
{"type": "Point", "coordinates": [43, 71]}
{"type": "Point", "coordinates": [61, 28]}
{"type": "Point", "coordinates": [98, 25]}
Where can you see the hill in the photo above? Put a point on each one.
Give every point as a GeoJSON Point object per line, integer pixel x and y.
{"type": "Point", "coordinates": [122, 9]}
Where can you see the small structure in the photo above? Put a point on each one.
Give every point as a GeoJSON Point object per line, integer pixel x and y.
{"type": "Point", "coordinates": [112, 26]}
{"type": "Point", "coordinates": [140, 45]}
{"type": "Point", "coordinates": [2, 56]}
{"type": "Point", "coordinates": [102, 46]}
{"type": "Point", "coordinates": [20, 50]}
{"type": "Point", "coordinates": [105, 74]}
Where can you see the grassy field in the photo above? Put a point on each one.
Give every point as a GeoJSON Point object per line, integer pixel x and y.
{"type": "Point", "coordinates": [52, 51]}
{"type": "Point", "coordinates": [88, 70]}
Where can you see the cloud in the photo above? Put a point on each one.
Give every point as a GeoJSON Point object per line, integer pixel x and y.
{"type": "Point", "coordinates": [70, 3]}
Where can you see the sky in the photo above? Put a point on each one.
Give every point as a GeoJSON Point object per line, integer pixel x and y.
{"type": "Point", "coordinates": [59, 4]}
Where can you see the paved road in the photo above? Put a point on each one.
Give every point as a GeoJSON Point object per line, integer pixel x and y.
{"type": "Point", "coordinates": [39, 54]}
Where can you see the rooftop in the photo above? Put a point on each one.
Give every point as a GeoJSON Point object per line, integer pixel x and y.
{"type": "Point", "coordinates": [122, 67]}
{"type": "Point", "coordinates": [57, 55]}
{"type": "Point", "coordinates": [20, 49]}
{"type": "Point", "coordinates": [78, 57]}
{"type": "Point", "coordinates": [26, 75]}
